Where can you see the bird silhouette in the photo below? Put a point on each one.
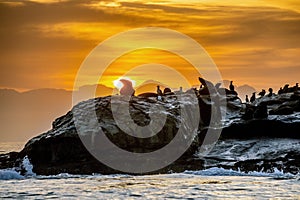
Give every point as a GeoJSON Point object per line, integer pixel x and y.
{"type": "Point", "coordinates": [262, 93]}
{"type": "Point", "coordinates": [159, 92]}
{"type": "Point", "coordinates": [231, 86]}
{"type": "Point", "coordinates": [252, 99]}
{"type": "Point", "coordinates": [270, 92]}
{"type": "Point", "coordinates": [247, 99]}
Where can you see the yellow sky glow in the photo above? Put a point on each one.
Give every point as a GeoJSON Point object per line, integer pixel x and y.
{"type": "Point", "coordinates": [253, 42]}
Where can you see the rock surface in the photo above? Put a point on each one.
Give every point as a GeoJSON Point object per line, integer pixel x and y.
{"type": "Point", "coordinates": [60, 150]}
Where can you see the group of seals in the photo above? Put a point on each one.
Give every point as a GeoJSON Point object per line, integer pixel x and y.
{"type": "Point", "coordinates": [160, 94]}
{"type": "Point", "coordinates": [206, 88]}
{"type": "Point", "coordinates": [128, 90]}
{"type": "Point", "coordinates": [287, 89]}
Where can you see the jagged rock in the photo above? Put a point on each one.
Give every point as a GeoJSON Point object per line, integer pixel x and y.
{"type": "Point", "coordinates": [258, 128]}
{"type": "Point", "coordinates": [286, 108]}
{"type": "Point", "coordinates": [61, 150]}
{"type": "Point", "coordinates": [249, 112]}
{"type": "Point", "coordinates": [261, 112]}
{"type": "Point", "coordinates": [288, 164]}
{"type": "Point", "coordinates": [282, 110]}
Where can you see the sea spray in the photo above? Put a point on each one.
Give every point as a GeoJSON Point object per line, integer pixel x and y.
{"type": "Point", "coordinates": [14, 173]}
{"type": "Point", "coordinates": [27, 166]}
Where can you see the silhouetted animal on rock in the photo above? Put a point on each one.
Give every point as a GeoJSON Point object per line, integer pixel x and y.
{"type": "Point", "coordinates": [280, 91]}
{"type": "Point", "coordinates": [262, 93]}
{"type": "Point", "coordinates": [180, 90]}
{"type": "Point", "coordinates": [270, 92]}
{"type": "Point", "coordinates": [231, 90]}
{"type": "Point", "coordinates": [231, 86]}
{"type": "Point", "coordinates": [208, 87]}
{"type": "Point", "coordinates": [127, 88]}
{"type": "Point", "coordinates": [252, 99]}
{"type": "Point", "coordinates": [285, 88]}
{"type": "Point", "coordinates": [158, 91]}
{"type": "Point", "coordinates": [247, 99]}
{"type": "Point", "coordinates": [296, 87]}
{"type": "Point", "coordinates": [168, 91]}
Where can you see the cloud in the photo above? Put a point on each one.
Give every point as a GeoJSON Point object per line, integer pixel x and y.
{"type": "Point", "coordinates": [238, 36]}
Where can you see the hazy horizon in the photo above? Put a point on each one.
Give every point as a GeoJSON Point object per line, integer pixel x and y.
{"type": "Point", "coordinates": [35, 110]}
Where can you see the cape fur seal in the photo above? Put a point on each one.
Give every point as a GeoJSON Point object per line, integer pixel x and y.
{"type": "Point", "coordinates": [127, 88]}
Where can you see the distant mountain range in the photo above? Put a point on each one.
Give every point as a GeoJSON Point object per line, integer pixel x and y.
{"type": "Point", "coordinates": [26, 114]}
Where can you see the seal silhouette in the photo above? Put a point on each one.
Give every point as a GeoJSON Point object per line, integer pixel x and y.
{"type": "Point", "coordinates": [127, 89]}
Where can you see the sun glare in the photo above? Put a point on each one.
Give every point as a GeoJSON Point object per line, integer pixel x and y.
{"type": "Point", "coordinates": [118, 84]}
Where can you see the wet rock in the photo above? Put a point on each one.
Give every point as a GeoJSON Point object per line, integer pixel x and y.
{"type": "Point", "coordinates": [261, 112]}
{"type": "Point", "coordinates": [249, 112]}
{"type": "Point", "coordinates": [60, 150]}
{"type": "Point", "coordinates": [282, 110]}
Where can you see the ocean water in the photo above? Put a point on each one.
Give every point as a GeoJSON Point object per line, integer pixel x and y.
{"type": "Point", "coordinates": [212, 183]}
{"type": "Point", "coordinates": [6, 147]}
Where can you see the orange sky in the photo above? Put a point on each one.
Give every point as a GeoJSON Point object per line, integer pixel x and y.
{"type": "Point", "coordinates": [44, 42]}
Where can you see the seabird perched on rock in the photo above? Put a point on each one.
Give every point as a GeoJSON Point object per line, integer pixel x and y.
{"type": "Point", "coordinates": [231, 86]}
{"type": "Point", "coordinates": [158, 91]}
{"type": "Point", "coordinates": [159, 94]}
{"type": "Point", "coordinates": [252, 99]}
{"type": "Point", "coordinates": [247, 99]}
{"type": "Point", "coordinates": [270, 92]}
{"type": "Point", "coordinates": [180, 90]}
{"type": "Point", "coordinates": [285, 88]}
{"type": "Point", "coordinates": [262, 93]}
{"type": "Point", "coordinates": [296, 87]}
{"type": "Point", "coordinates": [280, 91]}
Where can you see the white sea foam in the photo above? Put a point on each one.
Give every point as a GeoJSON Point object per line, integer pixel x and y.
{"type": "Point", "coordinates": [8, 174]}
{"type": "Point", "coordinates": [216, 171]}
{"type": "Point", "coordinates": [28, 167]}
{"type": "Point", "coordinates": [13, 173]}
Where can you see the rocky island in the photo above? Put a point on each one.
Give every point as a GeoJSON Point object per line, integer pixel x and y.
{"type": "Point", "coordinates": [60, 150]}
